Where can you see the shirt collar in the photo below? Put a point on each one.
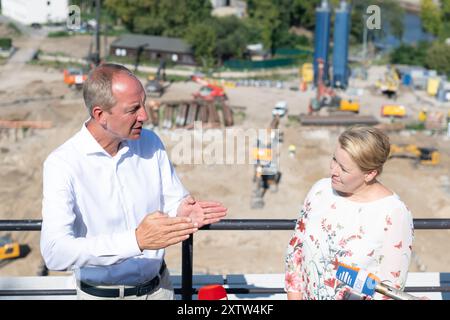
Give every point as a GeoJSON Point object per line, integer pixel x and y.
{"type": "Point", "coordinates": [88, 144]}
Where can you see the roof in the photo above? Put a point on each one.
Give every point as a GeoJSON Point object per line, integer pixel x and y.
{"type": "Point", "coordinates": [153, 43]}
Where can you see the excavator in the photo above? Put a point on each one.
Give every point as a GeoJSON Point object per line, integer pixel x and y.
{"type": "Point", "coordinates": [267, 174]}
{"type": "Point", "coordinates": [208, 91]}
{"type": "Point", "coordinates": [8, 248]}
{"type": "Point", "coordinates": [326, 97]}
{"type": "Point", "coordinates": [424, 156]}
{"type": "Point", "coordinates": [156, 84]}
{"type": "Point", "coordinates": [75, 77]}
{"type": "Point", "coordinates": [390, 84]}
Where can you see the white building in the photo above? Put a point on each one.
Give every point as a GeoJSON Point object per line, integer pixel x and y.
{"type": "Point", "coordinates": [36, 11]}
{"type": "Point", "coordinates": [223, 8]}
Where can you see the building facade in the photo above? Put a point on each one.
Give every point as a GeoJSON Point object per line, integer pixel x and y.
{"type": "Point", "coordinates": [36, 11]}
{"type": "Point", "coordinates": [153, 48]}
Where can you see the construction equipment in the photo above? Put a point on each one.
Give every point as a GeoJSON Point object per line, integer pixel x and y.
{"type": "Point", "coordinates": [422, 117]}
{"type": "Point", "coordinates": [8, 248]}
{"type": "Point", "coordinates": [424, 156]}
{"type": "Point", "coordinates": [208, 91]}
{"type": "Point", "coordinates": [266, 155]}
{"type": "Point", "coordinates": [335, 104]}
{"type": "Point", "coordinates": [75, 77]}
{"type": "Point", "coordinates": [390, 84]}
{"type": "Point", "coordinates": [393, 110]}
{"type": "Point", "coordinates": [326, 97]}
{"type": "Point", "coordinates": [351, 105]}
{"type": "Point", "coordinates": [156, 84]}
{"type": "Point", "coordinates": [306, 74]}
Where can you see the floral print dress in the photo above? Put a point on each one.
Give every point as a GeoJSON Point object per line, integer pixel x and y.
{"type": "Point", "coordinates": [375, 236]}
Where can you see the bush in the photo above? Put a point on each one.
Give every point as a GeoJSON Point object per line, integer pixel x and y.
{"type": "Point", "coordinates": [410, 55]}
{"type": "Point", "coordinates": [5, 43]}
{"type": "Point", "coordinates": [438, 58]}
{"type": "Point", "coordinates": [14, 29]}
{"type": "Point", "coordinates": [57, 34]}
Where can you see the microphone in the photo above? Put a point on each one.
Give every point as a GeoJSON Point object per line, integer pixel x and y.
{"type": "Point", "coordinates": [367, 283]}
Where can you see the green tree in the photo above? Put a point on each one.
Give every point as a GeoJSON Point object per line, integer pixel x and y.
{"type": "Point", "coordinates": [438, 57]}
{"type": "Point", "coordinates": [202, 38]}
{"type": "Point", "coordinates": [445, 17]}
{"type": "Point", "coordinates": [303, 13]}
{"type": "Point", "coordinates": [410, 54]}
{"type": "Point", "coordinates": [266, 14]}
{"type": "Point", "coordinates": [125, 10]}
{"type": "Point", "coordinates": [233, 36]}
{"type": "Point", "coordinates": [445, 9]}
{"type": "Point", "coordinates": [168, 17]}
{"type": "Point", "coordinates": [431, 17]}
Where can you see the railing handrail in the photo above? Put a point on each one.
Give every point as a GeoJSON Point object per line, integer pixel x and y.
{"type": "Point", "coordinates": [187, 289]}
{"type": "Point", "coordinates": [232, 224]}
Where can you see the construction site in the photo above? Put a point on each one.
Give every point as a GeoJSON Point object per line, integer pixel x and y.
{"type": "Point", "coordinates": [303, 117]}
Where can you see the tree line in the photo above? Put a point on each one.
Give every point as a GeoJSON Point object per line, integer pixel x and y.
{"type": "Point", "coordinates": [435, 19]}
{"type": "Point", "coordinates": [273, 23]}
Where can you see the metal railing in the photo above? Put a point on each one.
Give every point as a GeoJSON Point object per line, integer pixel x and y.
{"type": "Point", "coordinates": [187, 289]}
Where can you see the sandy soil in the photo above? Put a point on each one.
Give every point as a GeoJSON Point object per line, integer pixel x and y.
{"type": "Point", "coordinates": [425, 190]}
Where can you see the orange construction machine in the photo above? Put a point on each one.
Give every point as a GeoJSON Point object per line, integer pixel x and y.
{"type": "Point", "coordinates": [75, 77]}
{"type": "Point", "coordinates": [208, 91]}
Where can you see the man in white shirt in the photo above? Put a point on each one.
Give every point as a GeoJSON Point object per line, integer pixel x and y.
{"type": "Point", "coordinates": [112, 200]}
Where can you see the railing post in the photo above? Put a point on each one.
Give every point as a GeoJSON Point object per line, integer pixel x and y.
{"type": "Point", "coordinates": [187, 268]}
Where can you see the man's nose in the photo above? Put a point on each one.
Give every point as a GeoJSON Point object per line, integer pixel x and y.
{"type": "Point", "coordinates": [143, 115]}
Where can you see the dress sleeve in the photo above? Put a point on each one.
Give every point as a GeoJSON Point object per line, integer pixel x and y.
{"type": "Point", "coordinates": [395, 255]}
{"type": "Point", "coordinates": [294, 253]}
{"type": "Point", "coordinates": [293, 261]}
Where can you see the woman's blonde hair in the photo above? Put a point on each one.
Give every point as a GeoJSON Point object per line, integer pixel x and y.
{"type": "Point", "coordinates": [369, 147]}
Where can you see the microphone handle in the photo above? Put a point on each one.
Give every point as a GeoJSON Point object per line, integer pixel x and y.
{"type": "Point", "coordinates": [394, 293]}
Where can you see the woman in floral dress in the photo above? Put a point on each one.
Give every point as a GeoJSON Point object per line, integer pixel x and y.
{"type": "Point", "coordinates": [350, 218]}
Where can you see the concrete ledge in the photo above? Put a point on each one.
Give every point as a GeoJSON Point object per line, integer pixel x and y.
{"type": "Point", "coordinates": [63, 287]}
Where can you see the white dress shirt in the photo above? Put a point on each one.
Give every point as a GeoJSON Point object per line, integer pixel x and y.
{"type": "Point", "coordinates": [93, 202]}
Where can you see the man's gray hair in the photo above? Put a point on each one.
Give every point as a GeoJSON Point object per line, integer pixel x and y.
{"type": "Point", "coordinates": [97, 89]}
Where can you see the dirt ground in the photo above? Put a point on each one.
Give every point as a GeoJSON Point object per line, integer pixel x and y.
{"type": "Point", "coordinates": [38, 93]}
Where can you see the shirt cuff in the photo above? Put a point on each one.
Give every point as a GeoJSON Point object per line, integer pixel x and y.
{"type": "Point", "coordinates": [130, 244]}
{"type": "Point", "coordinates": [174, 211]}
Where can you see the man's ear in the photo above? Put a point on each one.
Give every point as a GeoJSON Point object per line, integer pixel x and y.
{"type": "Point", "coordinates": [369, 176]}
{"type": "Point", "coordinates": [99, 115]}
